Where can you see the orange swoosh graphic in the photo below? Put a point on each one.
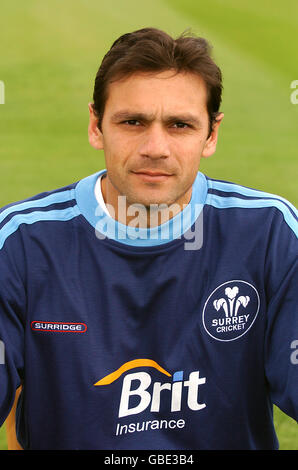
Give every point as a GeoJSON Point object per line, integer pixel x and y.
{"type": "Point", "coordinates": [108, 379]}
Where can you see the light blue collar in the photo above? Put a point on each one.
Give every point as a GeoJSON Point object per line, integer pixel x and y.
{"type": "Point", "coordinates": [107, 227]}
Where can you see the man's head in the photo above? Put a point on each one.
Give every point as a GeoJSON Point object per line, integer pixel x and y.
{"type": "Point", "coordinates": [156, 111]}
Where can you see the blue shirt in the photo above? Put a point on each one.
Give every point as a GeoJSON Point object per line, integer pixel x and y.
{"type": "Point", "coordinates": [176, 337]}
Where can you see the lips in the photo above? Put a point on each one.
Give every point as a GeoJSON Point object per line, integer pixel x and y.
{"type": "Point", "coordinates": [151, 173]}
{"type": "Point", "coordinates": [152, 176]}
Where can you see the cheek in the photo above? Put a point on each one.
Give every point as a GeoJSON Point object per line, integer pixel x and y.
{"type": "Point", "coordinates": [115, 149]}
{"type": "Point", "coordinates": [189, 153]}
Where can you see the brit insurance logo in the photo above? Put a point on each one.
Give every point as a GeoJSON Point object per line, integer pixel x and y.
{"type": "Point", "coordinates": [140, 393]}
{"type": "Point", "coordinates": [230, 310]}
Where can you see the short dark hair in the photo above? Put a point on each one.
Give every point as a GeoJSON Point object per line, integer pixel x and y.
{"type": "Point", "coordinates": [153, 50]}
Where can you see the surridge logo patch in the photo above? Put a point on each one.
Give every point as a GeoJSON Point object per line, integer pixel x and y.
{"type": "Point", "coordinates": [230, 310]}
{"type": "Point", "coordinates": [54, 326]}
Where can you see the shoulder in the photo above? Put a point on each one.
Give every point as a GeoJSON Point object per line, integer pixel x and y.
{"type": "Point", "coordinates": [54, 205]}
{"type": "Point", "coordinates": [251, 203]}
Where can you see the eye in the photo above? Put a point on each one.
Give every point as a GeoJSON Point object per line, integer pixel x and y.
{"type": "Point", "coordinates": [131, 122]}
{"type": "Point", "coordinates": [181, 125]}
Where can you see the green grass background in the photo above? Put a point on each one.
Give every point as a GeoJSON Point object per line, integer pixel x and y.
{"type": "Point", "coordinates": [50, 51]}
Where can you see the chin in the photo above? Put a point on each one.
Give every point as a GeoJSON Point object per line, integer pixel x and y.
{"type": "Point", "coordinates": [146, 198]}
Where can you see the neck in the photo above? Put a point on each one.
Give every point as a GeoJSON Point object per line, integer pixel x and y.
{"type": "Point", "coordinates": [138, 215]}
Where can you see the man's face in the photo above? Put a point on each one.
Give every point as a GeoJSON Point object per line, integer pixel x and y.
{"type": "Point", "coordinates": [154, 132]}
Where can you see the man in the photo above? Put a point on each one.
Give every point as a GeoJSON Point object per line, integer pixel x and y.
{"type": "Point", "coordinates": [148, 306]}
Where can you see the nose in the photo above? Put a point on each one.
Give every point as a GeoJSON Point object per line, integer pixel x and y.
{"type": "Point", "coordinates": [155, 143]}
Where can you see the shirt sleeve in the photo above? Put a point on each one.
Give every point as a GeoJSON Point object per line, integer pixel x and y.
{"type": "Point", "coordinates": [12, 309]}
{"type": "Point", "coordinates": [281, 365]}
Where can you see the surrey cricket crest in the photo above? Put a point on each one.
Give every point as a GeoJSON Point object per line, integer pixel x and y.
{"type": "Point", "coordinates": [230, 310]}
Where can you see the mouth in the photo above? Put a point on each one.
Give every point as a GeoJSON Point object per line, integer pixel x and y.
{"type": "Point", "coordinates": [152, 176]}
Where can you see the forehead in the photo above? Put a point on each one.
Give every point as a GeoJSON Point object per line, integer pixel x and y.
{"type": "Point", "coordinates": [171, 90]}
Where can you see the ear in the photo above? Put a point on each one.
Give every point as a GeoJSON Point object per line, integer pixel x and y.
{"type": "Point", "coordinates": [211, 142]}
{"type": "Point", "coordinates": [94, 134]}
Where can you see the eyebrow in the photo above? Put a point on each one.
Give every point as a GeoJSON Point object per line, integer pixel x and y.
{"type": "Point", "coordinates": [127, 115]}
